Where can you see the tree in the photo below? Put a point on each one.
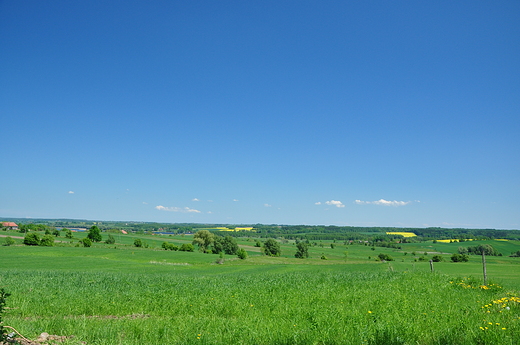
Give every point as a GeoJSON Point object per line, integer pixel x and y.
{"type": "Point", "coordinates": [94, 234]}
{"type": "Point", "coordinates": [47, 241]}
{"type": "Point", "coordinates": [110, 239]}
{"type": "Point", "coordinates": [242, 254]}
{"type": "Point", "coordinates": [204, 239]}
{"type": "Point", "coordinates": [230, 245]}
{"type": "Point", "coordinates": [68, 233]}
{"type": "Point", "coordinates": [31, 239]}
{"type": "Point", "coordinates": [56, 232]}
{"type": "Point", "coordinates": [302, 250]}
{"type": "Point", "coordinates": [138, 243]}
{"type": "Point", "coordinates": [272, 248]}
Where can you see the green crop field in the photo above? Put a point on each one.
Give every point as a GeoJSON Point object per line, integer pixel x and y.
{"type": "Point", "coordinates": [120, 294]}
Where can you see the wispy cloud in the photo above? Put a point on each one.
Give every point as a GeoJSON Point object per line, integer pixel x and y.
{"type": "Point", "coordinates": [383, 202]}
{"type": "Point", "coordinates": [71, 192]}
{"type": "Point", "coordinates": [195, 199]}
{"type": "Point", "coordinates": [267, 205]}
{"type": "Point", "coordinates": [317, 203]}
{"type": "Point", "coordinates": [335, 203]}
{"type": "Point", "coordinates": [177, 209]}
{"type": "Point", "coordinates": [235, 199]}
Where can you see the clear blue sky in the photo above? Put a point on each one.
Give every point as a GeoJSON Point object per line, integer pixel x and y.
{"type": "Point", "coordinates": [363, 113]}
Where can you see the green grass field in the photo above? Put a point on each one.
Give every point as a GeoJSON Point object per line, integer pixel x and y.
{"type": "Point", "coordinates": [119, 294]}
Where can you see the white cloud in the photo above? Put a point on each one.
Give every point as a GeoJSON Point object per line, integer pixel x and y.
{"type": "Point", "coordinates": [335, 203]}
{"type": "Point", "coordinates": [267, 205]}
{"type": "Point", "coordinates": [145, 203]}
{"type": "Point", "coordinates": [383, 202]}
{"type": "Point", "coordinates": [71, 192]}
{"type": "Point", "coordinates": [317, 203]}
{"type": "Point", "coordinates": [235, 199]}
{"type": "Point", "coordinates": [195, 199]}
{"type": "Point", "coordinates": [177, 209]}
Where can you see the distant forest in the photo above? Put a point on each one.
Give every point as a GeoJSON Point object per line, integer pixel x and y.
{"type": "Point", "coordinates": [290, 232]}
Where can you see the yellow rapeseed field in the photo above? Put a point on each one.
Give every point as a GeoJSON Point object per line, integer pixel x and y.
{"type": "Point", "coordinates": [404, 234]}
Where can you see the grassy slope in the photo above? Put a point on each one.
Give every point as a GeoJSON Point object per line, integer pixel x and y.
{"type": "Point", "coordinates": [130, 295]}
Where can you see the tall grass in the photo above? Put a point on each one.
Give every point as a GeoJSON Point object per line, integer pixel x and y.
{"type": "Point", "coordinates": [257, 306]}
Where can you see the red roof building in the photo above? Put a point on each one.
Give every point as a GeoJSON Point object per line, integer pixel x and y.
{"type": "Point", "coordinates": [10, 225]}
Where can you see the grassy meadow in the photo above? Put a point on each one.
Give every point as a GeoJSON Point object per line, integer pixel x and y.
{"type": "Point", "coordinates": [120, 294]}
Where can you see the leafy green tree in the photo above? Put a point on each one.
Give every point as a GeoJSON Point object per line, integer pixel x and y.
{"type": "Point", "coordinates": [110, 239]}
{"type": "Point", "coordinates": [258, 244]}
{"type": "Point", "coordinates": [31, 239]}
{"type": "Point", "coordinates": [169, 246]}
{"type": "Point", "coordinates": [86, 242]}
{"type": "Point", "coordinates": [68, 233]}
{"type": "Point", "coordinates": [242, 254]}
{"type": "Point", "coordinates": [138, 243]}
{"type": "Point", "coordinates": [187, 247]}
{"type": "Point", "coordinates": [47, 241]}
{"type": "Point", "coordinates": [8, 241]}
{"type": "Point", "coordinates": [204, 239]}
{"type": "Point", "coordinates": [272, 248]}
{"type": "Point", "coordinates": [230, 245]}
{"type": "Point", "coordinates": [94, 234]}
{"type": "Point", "coordinates": [56, 232]}
{"type": "Point", "coordinates": [302, 250]}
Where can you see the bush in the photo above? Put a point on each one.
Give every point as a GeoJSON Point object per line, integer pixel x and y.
{"type": "Point", "coordinates": [385, 257]}
{"type": "Point", "coordinates": [8, 241]}
{"type": "Point", "coordinates": [302, 251]}
{"type": "Point", "coordinates": [242, 254]}
{"type": "Point", "coordinates": [86, 242]}
{"type": "Point", "coordinates": [138, 243]}
{"type": "Point", "coordinates": [187, 247]}
{"type": "Point", "coordinates": [68, 233]}
{"type": "Point", "coordinates": [94, 234]}
{"type": "Point", "coordinates": [31, 239]}
{"type": "Point", "coordinates": [272, 248]}
{"type": "Point", "coordinates": [437, 258]}
{"type": "Point", "coordinates": [110, 240]}
{"type": "Point", "coordinates": [169, 246]}
{"type": "Point", "coordinates": [47, 241]}
{"type": "Point", "coordinates": [459, 258]}
{"type": "Point", "coordinates": [3, 296]}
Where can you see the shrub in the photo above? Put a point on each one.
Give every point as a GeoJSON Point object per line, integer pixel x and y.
{"type": "Point", "coordinates": [169, 246]}
{"type": "Point", "coordinates": [110, 240]}
{"type": "Point", "coordinates": [437, 258]}
{"type": "Point", "coordinates": [94, 234]}
{"type": "Point", "coordinates": [3, 297]}
{"type": "Point", "coordinates": [459, 258]}
{"type": "Point", "coordinates": [187, 247]}
{"type": "Point", "coordinates": [47, 241]}
{"type": "Point", "coordinates": [8, 241]}
{"type": "Point", "coordinates": [138, 243]}
{"type": "Point", "coordinates": [323, 257]}
{"type": "Point", "coordinates": [86, 242]}
{"type": "Point", "coordinates": [385, 257]}
{"type": "Point", "coordinates": [31, 239]}
{"type": "Point", "coordinates": [68, 233]}
{"type": "Point", "coordinates": [272, 248]}
{"type": "Point", "coordinates": [302, 251]}
{"type": "Point", "coordinates": [242, 254]}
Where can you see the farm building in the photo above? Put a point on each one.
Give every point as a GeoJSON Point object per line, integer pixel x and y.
{"type": "Point", "coordinates": [10, 225]}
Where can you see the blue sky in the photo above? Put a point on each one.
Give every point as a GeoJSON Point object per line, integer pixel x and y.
{"type": "Point", "coordinates": [367, 113]}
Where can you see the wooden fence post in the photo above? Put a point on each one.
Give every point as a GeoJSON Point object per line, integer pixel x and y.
{"type": "Point", "coordinates": [484, 266]}
{"type": "Point", "coordinates": [431, 265]}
